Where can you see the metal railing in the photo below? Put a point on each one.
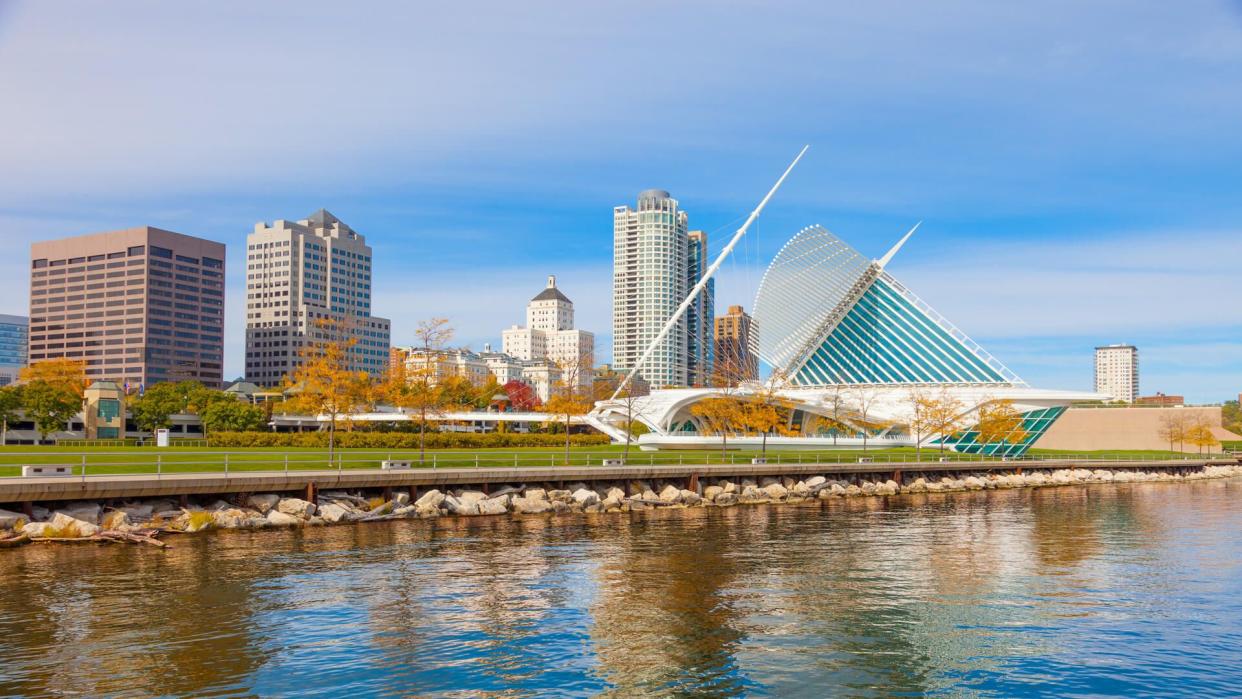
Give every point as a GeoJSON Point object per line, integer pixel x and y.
{"type": "Point", "coordinates": [158, 463]}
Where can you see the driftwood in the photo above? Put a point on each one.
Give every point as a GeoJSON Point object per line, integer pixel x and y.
{"type": "Point", "coordinates": [14, 541]}
{"type": "Point", "coordinates": [108, 536]}
{"type": "Point", "coordinates": [648, 501]}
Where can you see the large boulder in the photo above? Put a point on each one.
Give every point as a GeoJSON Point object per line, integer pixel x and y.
{"type": "Point", "coordinates": [471, 496]}
{"type": "Point", "coordinates": [535, 494]}
{"type": "Point", "coordinates": [430, 499]}
{"type": "Point", "coordinates": [727, 498]}
{"type": "Point", "coordinates": [564, 496]}
{"type": "Point", "coordinates": [116, 519]}
{"type": "Point", "coordinates": [670, 494]}
{"type": "Point", "coordinates": [494, 506]}
{"type": "Point", "coordinates": [775, 491]}
{"type": "Point", "coordinates": [83, 512]}
{"type": "Point", "coordinates": [456, 506]}
{"type": "Point", "coordinates": [280, 519]}
{"type": "Point", "coordinates": [11, 520]}
{"type": "Point", "coordinates": [232, 518]}
{"type": "Point", "coordinates": [139, 512]}
{"type": "Point", "coordinates": [264, 502]}
{"type": "Point", "coordinates": [815, 481]}
{"type": "Point", "coordinates": [296, 507]}
{"type": "Point", "coordinates": [531, 506]}
{"type": "Point", "coordinates": [614, 492]}
{"type": "Point", "coordinates": [711, 492]}
{"type": "Point", "coordinates": [751, 493]}
{"type": "Point", "coordinates": [612, 503]}
{"type": "Point", "coordinates": [335, 512]}
{"type": "Point", "coordinates": [63, 526]}
{"type": "Point", "coordinates": [690, 497]}
{"type": "Point", "coordinates": [585, 497]}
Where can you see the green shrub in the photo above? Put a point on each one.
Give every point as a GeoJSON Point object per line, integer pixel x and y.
{"type": "Point", "coordinates": [400, 440]}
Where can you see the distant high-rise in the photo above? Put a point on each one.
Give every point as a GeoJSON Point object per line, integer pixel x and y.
{"type": "Point", "coordinates": [14, 331]}
{"type": "Point", "coordinates": [1117, 371]}
{"type": "Point", "coordinates": [309, 282]}
{"type": "Point", "coordinates": [735, 347]}
{"type": "Point", "coordinates": [549, 334]}
{"type": "Point", "coordinates": [651, 277]}
{"type": "Point", "coordinates": [700, 316]}
{"type": "Point", "coordinates": [138, 306]}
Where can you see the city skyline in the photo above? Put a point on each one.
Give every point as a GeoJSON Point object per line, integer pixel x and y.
{"type": "Point", "coordinates": [1053, 200]}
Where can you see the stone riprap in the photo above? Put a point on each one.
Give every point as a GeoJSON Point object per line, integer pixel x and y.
{"type": "Point", "coordinates": [257, 511]}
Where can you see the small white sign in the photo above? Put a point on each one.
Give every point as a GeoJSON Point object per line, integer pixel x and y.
{"type": "Point", "coordinates": [161, 437]}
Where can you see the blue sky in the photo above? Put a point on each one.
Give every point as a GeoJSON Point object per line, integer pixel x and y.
{"type": "Point", "coordinates": [1077, 166]}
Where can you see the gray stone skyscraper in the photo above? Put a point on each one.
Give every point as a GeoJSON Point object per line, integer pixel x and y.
{"type": "Point", "coordinates": [303, 280]}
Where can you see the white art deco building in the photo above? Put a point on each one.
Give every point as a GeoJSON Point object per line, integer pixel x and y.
{"type": "Point", "coordinates": [846, 340]}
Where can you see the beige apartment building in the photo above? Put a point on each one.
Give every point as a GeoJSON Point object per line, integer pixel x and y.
{"type": "Point", "coordinates": [735, 347]}
{"type": "Point", "coordinates": [138, 306]}
{"type": "Point", "coordinates": [309, 281]}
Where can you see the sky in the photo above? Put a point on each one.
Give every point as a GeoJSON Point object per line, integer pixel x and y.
{"type": "Point", "coordinates": [1077, 165]}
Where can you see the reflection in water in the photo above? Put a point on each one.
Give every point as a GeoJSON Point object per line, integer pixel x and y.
{"type": "Point", "coordinates": [1127, 589]}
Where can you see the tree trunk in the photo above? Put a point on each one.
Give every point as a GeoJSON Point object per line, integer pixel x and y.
{"type": "Point", "coordinates": [331, 439]}
{"type": "Point", "coordinates": [764, 451]}
{"type": "Point", "coordinates": [566, 439]}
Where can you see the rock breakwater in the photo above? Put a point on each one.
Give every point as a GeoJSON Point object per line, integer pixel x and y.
{"type": "Point", "coordinates": [144, 521]}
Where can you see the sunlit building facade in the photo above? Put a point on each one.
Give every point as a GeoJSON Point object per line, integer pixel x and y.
{"type": "Point", "coordinates": [852, 350]}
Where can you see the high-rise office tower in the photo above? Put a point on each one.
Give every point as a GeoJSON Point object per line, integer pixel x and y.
{"type": "Point", "coordinates": [735, 347]}
{"type": "Point", "coordinates": [1117, 371]}
{"type": "Point", "coordinates": [651, 251]}
{"type": "Point", "coordinates": [14, 331]}
{"type": "Point", "coordinates": [139, 306]}
{"type": "Point", "coordinates": [309, 281]}
{"type": "Point", "coordinates": [700, 316]}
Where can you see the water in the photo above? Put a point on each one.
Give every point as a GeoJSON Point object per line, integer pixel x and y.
{"type": "Point", "coordinates": [1126, 590]}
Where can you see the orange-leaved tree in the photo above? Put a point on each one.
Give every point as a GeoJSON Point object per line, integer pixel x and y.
{"type": "Point", "coordinates": [571, 394]}
{"type": "Point", "coordinates": [1001, 424]}
{"type": "Point", "coordinates": [324, 384]}
{"type": "Point", "coordinates": [414, 383]}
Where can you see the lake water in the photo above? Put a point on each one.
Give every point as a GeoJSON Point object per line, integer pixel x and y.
{"type": "Point", "coordinates": [1106, 590]}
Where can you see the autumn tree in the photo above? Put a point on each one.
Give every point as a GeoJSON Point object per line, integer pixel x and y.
{"type": "Point", "coordinates": [322, 383]}
{"type": "Point", "coordinates": [571, 394]}
{"type": "Point", "coordinates": [862, 402]}
{"type": "Point", "coordinates": [629, 399]}
{"type": "Point", "coordinates": [920, 423]}
{"type": "Point", "coordinates": [834, 403]}
{"type": "Point", "coordinates": [155, 407]}
{"type": "Point", "coordinates": [52, 392]}
{"type": "Point", "coordinates": [10, 404]}
{"type": "Point", "coordinates": [522, 396]}
{"type": "Point", "coordinates": [766, 410]}
{"type": "Point", "coordinates": [416, 388]}
{"type": "Point", "coordinates": [1173, 428]}
{"type": "Point", "coordinates": [1000, 423]}
{"type": "Point", "coordinates": [945, 415]}
{"type": "Point", "coordinates": [719, 414]}
{"type": "Point", "coordinates": [1200, 433]}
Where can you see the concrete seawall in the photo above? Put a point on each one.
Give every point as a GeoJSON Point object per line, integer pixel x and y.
{"type": "Point", "coordinates": [308, 483]}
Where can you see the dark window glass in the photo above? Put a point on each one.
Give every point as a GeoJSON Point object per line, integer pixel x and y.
{"type": "Point", "coordinates": [161, 252]}
{"type": "Point", "coordinates": [137, 250]}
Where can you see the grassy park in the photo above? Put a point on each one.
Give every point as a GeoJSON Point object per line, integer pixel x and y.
{"type": "Point", "coordinates": [131, 460]}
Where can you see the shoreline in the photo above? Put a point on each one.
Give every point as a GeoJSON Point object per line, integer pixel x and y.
{"type": "Point", "coordinates": [144, 521]}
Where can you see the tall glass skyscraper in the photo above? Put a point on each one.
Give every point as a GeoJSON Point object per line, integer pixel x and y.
{"type": "Point", "coordinates": [14, 331]}
{"type": "Point", "coordinates": [700, 317]}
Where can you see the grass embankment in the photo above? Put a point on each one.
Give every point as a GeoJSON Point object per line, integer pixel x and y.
{"type": "Point", "coordinates": [129, 460]}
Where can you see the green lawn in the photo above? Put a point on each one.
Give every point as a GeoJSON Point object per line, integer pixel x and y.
{"type": "Point", "coordinates": [101, 460]}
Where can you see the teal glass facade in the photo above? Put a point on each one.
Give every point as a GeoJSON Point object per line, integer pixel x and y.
{"type": "Point", "coordinates": [885, 339]}
{"type": "Point", "coordinates": [1034, 424]}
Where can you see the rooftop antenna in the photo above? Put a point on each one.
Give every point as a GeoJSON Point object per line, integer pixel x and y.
{"type": "Point", "coordinates": [698, 288]}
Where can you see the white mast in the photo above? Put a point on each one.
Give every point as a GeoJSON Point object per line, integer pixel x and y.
{"type": "Point", "coordinates": [698, 288]}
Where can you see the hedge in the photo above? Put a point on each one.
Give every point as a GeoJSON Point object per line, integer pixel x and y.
{"type": "Point", "coordinates": [402, 440]}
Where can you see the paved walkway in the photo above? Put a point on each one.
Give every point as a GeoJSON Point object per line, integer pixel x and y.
{"type": "Point", "coordinates": [103, 487]}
